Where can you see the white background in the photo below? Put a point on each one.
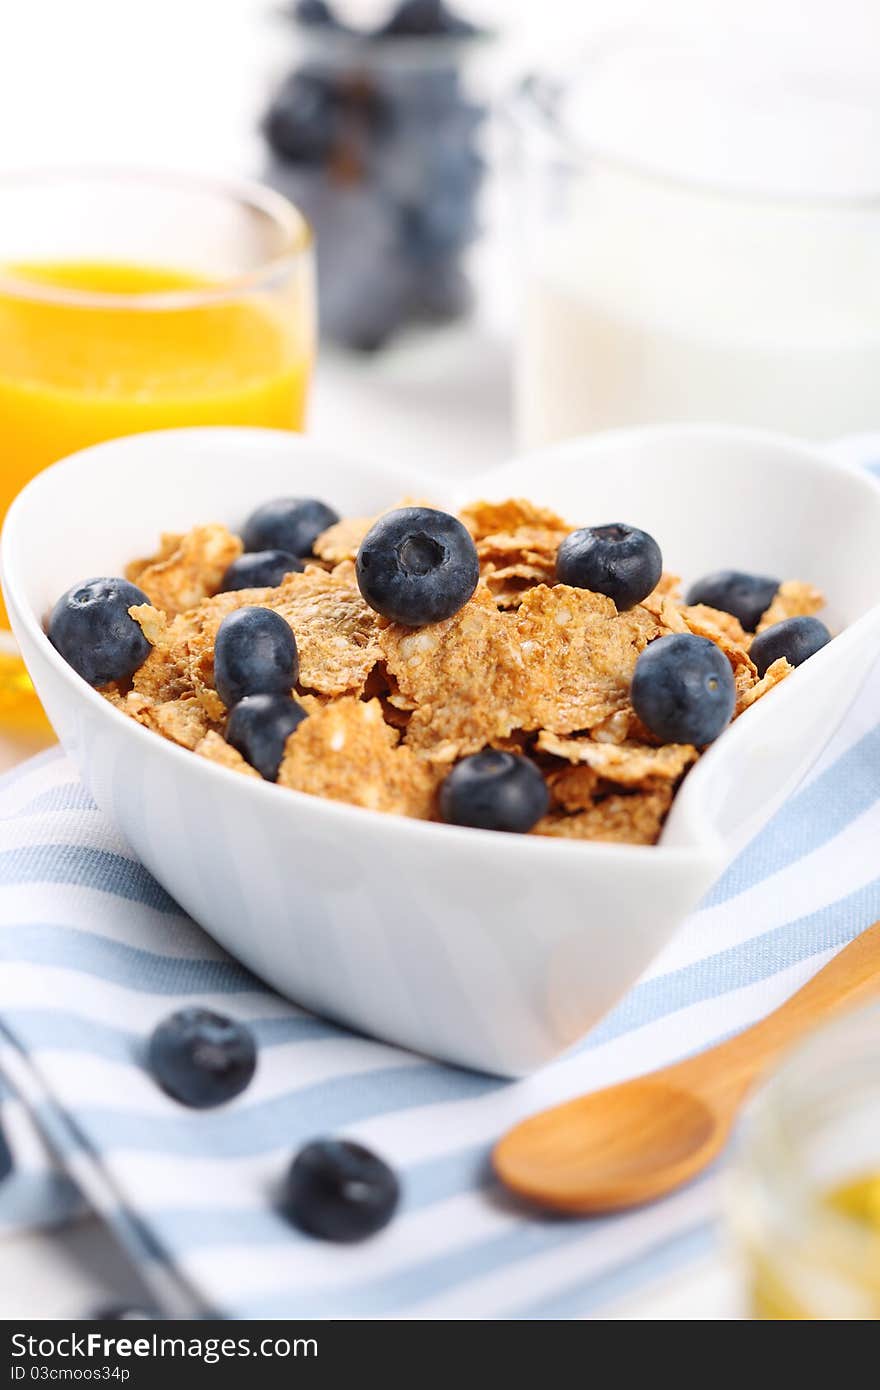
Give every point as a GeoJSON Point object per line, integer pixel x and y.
{"type": "Point", "coordinates": [181, 83]}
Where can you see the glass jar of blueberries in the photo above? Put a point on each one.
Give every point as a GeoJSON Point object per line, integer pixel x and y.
{"type": "Point", "coordinates": [376, 135]}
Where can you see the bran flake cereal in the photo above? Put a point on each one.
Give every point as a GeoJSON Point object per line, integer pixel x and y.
{"type": "Point", "coordinates": [573, 788]}
{"type": "Point", "coordinates": [629, 765]}
{"type": "Point", "coordinates": [632, 818]}
{"type": "Point", "coordinates": [579, 655]}
{"type": "Point", "coordinates": [722, 629]}
{"type": "Point", "coordinates": [347, 752]}
{"type": "Point", "coordinates": [526, 666]}
{"type": "Point", "coordinates": [186, 568]}
{"type": "Point", "coordinates": [463, 678]}
{"type": "Point", "coordinates": [509, 573]}
{"type": "Point", "coordinates": [503, 518]}
{"type": "Point", "coordinates": [183, 721]}
{"type": "Point", "coordinates": [615, 729]}
{"type": "Point", "coordinates": [217, 750]}
{"type": "Point", "coordinates": [793, 599]}
{"type": "Point", "coordinates": [771, 677]}
{"type": "Point", "coordinates": [342, 541]}
{"type": "Point", "coordinates": [334, 629]}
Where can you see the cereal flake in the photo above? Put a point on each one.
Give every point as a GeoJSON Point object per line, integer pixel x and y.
{"type": "Point", "coordinates": [793, 599]}
{"type": "Point", "coordinates": [633, 818]}
{"type": "Point", "coordinates": [343, 540]}
{"type": "Point", "coordinates": [724, 630]}
{"type": "Point", "coordinates": [186, 569]}
{"type": "Point", "coordinates": [462, 677]}
{"type": "Point", "coordinates": [771, 677]}
{"type": "Point", "coordinates": [579, 655]}
{"type": "Point", "coordinates": [217, 750]}
{"type": "Point", "coordinates": [183, 721]}
{"type": "Point", "coordinates": [347, 752]}
{"type": "Point", "coordinates": [496, 518]}
{"type": "Point", "coordinates": [629, 764]}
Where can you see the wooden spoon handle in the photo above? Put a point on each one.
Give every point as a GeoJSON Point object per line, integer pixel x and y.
{"type": "Point", "coordinates": [853, 975]}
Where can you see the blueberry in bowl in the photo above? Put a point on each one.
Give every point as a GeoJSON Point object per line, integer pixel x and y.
{"type": "Point", "coordinates": [494, 790]}
{"type": "Point", "coordinates": [795, 639]}
{"type": "Point", "coordinates": [260, 569]}
{"type": "Point", "coordinates": [291, 524]}
{"type": "Point", "coordinates": [254, 653]}
{"type": "Point", "coordinates": [91, 627]}
{"type": "Point", "coordinates": [683, 689]}
{"type": "Point", "coordinates": [417, 566]}
{"type": "Point", "coordinates": [340, 1191]}
{"type": "Point", "coordinates": [619, 561]}
{"type": "Point", "coordinates": [258, 728]}
{"type": "Point", "coordinates": [202, 1058]}
{"type": "Point", "coordinates": [746, 596]}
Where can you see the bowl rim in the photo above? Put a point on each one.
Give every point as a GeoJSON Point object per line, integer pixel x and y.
{"type": "Point", "coordinates": [704, 841]}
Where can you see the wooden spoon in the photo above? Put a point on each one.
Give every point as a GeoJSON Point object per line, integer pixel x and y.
{"type": "Point", "coordinates": [639, 1140]}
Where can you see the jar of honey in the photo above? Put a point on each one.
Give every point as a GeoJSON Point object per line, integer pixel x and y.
{"type": "Point", "coordinates": [805, 1195]}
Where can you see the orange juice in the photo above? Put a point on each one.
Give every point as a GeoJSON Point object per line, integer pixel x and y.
{"type": "Point", "coordinates": [71, 374]}
{"type": "Point", "coordinates": [92, 350]}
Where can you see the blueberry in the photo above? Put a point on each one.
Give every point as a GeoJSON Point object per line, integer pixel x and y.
{"type": "Point", "coordinates": [374, 309]}
{"type": "Point", "coordinates": [315, 14]}
{"type": "Point", "coordinates": [260, 569]}
{"type": "Point", "coordinates": [288, 523]}
{"type": "Point", "coordinates": [91, 628]}
{"type": "Point", "coordinates": [201, 1058]}
{"type": "Point", "coordinates": [420, 90]}
{"type": "Point", "coordinates": [430, 157]}
{"type": "Point", "coordinates": [441, 224]}
{"type": "Point", "coordinates": [494, 791]}
{"type": "Point", "coordinates": [254, 653]}
{"type": "Point", "coordinates": [339, 1191]}
{"type": "Point", "coordinates": [6, 1164]}
{"type": "Point", "coordinates": [619, 561]}
{"type": "Point", "coordinates": [442, 293]}
{"type": "Point", "coordinates": [683, 689]}
{"type": "Point", "coordinates": [302, 124]}
{"type": "Point", "coordinates": [746, 596]}
{"type": "Point", "coordinates": [363, 284]}
{"type": "Point", "coordinates": [796, 639]}
{"type": "Point", "coordinates": [425, 19]}
{"type": "Point", "coordinates": [259, 726]}
{"type": "Point", "coordinates": [417, 566]}
{"type": "Point", "coordinates": [122, 1312]}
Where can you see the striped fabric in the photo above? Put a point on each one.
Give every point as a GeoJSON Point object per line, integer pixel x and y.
{"type": "Point", "coordinates": [94, 953]}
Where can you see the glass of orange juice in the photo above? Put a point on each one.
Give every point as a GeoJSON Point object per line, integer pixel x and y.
{"type": "Point", "coordinates": [137, 301]}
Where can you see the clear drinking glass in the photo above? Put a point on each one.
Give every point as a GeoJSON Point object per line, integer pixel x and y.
{"type": "Point", "coordinates": [805, 1195]}
{"type": "Point", "coordinates": [136, 301]}
{"type": "Point", "coordinates": [699, 239]}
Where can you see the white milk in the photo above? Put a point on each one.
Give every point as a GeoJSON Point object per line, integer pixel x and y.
{"type": "Point", "coordinates": [719, 261]}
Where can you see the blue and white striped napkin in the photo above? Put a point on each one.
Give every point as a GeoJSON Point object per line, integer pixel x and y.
{"type": "Point", "coordinates": [94, 953]}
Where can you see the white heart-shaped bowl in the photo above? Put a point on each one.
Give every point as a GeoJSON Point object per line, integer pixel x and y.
{"type": "Point", "coordinates": [492, 951]}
